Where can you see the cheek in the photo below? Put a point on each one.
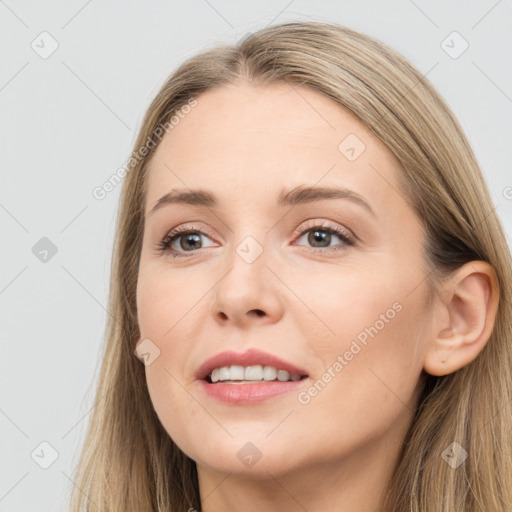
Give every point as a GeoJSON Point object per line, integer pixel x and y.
{"type": "Point", "coordinates": [371, 371]}
{"type": "Point", "coordinates": [347, 304]}
{"type": "Point", "coordinates": [167, 316]}
{"type": "Point", "coordinates": [370, 361]}
{"type": "Point", "coordinates": [180, 415]}
{"type": "Point", "coordinates": [364, 393]}
{"type": "Point", "coordinates": [165, 299]}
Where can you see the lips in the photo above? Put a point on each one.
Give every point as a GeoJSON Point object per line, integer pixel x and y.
{"type": "Point", "coordinates": [249, 358]}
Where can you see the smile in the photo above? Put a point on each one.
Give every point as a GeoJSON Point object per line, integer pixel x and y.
{"type": "Point", "coordinates": [248, 378]}
{"type": "Point", "coordinates": [236, 374]}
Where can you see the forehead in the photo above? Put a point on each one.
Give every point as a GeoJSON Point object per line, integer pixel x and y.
{"type": "Point", "coordinates": [258, 138]}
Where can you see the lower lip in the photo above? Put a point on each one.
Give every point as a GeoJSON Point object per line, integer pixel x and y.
{"type": "Point", "coordinates": [247, 394]}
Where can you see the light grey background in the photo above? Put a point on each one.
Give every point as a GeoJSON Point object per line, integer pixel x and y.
{"type": "Point", "coordinates": [69, 121]}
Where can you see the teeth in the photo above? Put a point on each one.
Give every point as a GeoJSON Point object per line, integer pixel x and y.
{"type": "Point", "coordinates": [224, 373]}
{"type": "Point", "coordinates": [282, 375]}
{"type": "Point", "coordinates": [269, 373]}
{"type": "Point", "coordinates": [236, 373]}
{"type": "Point", "coordinates": [251, 373]}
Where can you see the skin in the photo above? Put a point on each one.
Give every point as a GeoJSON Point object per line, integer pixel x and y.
{"type": "Point", "coordinates": [246, 144]}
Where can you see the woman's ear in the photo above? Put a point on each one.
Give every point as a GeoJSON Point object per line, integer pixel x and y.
{"type": "Point", "coordinates": [463, 318]}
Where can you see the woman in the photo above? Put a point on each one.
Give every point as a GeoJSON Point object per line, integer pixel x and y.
{"type": "Point", "coordinates": [311, 270]}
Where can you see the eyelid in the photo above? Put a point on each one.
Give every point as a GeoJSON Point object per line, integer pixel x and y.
{"type": "Point", "coordinates": [324, 224]}
{"type": "Point", "coordinates": [183, 229]}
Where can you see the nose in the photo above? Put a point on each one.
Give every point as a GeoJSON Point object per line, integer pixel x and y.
{"type": "Point", "coordinates": [248, 292]}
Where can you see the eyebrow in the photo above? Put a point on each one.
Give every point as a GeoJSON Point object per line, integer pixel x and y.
{"type": "Point", "coordinates": [296, 196]}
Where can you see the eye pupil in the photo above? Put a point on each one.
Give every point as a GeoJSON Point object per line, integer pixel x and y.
{"type": "Point", "coordinates": [319, 236]}
{"type": "Point", "coordinates": [191, 239]}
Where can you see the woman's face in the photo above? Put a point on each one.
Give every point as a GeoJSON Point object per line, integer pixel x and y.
{"type": "Point", "coordinates": [330, 283]}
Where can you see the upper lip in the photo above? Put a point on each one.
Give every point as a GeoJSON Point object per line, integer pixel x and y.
{"type": "Point", "coordinates": [251, 357]}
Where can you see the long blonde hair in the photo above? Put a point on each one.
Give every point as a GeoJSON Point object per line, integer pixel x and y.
{"type": "Point", "coordinates": [129, 462]}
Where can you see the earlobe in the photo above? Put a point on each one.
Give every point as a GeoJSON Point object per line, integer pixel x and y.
{"type": "Point", "coordinates": [464, 319]}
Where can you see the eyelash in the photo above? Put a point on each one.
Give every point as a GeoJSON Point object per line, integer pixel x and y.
{"type": "Point", "coordinates": [164, 245]}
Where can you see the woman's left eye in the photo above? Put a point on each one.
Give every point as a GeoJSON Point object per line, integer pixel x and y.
{"type": "Point", "coordinates": [322, 235]}
{"type": "Point", "coordinates": [319, 236]}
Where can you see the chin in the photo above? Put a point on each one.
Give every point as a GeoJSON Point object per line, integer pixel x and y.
{"type": "Point", "coordinates": [244, 458]}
